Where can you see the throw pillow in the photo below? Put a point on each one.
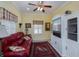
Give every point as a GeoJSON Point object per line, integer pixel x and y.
{"type": "Point", "coordinates": [27, 38]}
{"type": "Point", "coordinates": [16, 48]}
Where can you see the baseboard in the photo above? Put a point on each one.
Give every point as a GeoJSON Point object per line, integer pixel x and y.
{"type": "Point", "coordinates": [56, 53]}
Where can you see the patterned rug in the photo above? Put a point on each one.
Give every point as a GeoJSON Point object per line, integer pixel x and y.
{"type": "Point", "coordinates": [42, 49]}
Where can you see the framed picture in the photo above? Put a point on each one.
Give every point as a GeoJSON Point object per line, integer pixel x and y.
{"type": "Point", "coordinates": [47, 26]}
{"type": "Point", "coordinates": [27, 25]}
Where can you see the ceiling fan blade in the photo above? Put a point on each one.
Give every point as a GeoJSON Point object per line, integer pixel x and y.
{"type": "Point", "coordinates": [31, 4]}
{"type": "Point", "coordinates": [43, 10]}
{"type": "Point", "coordinates": [35, 9]}
{"type": "Point", "coordinates": [49, 6]}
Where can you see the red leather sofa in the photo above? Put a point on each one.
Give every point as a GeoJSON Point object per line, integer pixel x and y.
{"type": "Point", "coordinates": [16, 39]}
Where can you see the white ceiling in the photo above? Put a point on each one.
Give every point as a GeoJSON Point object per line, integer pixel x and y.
{"type": "Point", "coordinates": [23, 6]}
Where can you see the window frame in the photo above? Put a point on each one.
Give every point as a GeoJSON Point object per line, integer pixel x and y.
{"type": "Point", "coordinates": [38, 29]}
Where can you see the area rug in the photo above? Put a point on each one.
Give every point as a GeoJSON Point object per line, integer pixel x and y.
{"type": "Point", "coordinates": [42, 49]}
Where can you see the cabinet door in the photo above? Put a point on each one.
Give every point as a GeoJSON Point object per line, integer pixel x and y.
{"type": "Point", "coordinates": [72, 45]}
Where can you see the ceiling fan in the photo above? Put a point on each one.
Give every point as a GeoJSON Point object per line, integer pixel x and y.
{"type": "Point", "coordinates": [40, 6]}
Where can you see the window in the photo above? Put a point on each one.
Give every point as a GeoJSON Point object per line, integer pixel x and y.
{"type": "Point", "coordinates": [38, 26]}
{"type": "Point", "coordinates": [10, 26]}
{"type": "Point", "coordinates": [38, 29]}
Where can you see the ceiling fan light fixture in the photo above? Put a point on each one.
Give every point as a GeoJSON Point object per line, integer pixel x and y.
{"type": "Point", "coordinates": [41, 9]}
{"type": "Point", "coordinates": [38, 8]}
{"type": "Point", "coordinates": [28, 9]}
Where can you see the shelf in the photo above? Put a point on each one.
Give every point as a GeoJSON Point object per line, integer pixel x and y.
{"type": "Point", "coordinates": [72, 29]}
{"type": "Point", "coordinates": [72, 24]}
{"type": "Point", "coordinates": [72, 33]}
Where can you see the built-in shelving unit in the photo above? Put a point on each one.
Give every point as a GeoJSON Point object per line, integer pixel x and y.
{"type": "Point", "coordinates": [72, 29]}
{"type": "Point", "coordinates": [57, 27]}
{"type": "Point", "coordinates": [68, 44]}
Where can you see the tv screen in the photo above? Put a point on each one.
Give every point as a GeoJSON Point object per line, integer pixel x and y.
{"type": "Point", "coordinates": [57, 27]}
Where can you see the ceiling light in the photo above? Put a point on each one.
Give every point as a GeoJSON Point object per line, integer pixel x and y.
{"type": "Point", "coordinates": [28, 8]}
{"type": "Point", "coordinates": [38, 8]}
{"type": "Point", "coordinates": [41, 9]}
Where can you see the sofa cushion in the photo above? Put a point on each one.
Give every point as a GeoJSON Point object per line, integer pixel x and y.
{"type": "Point", "coordinates": [6, 41]}
{"type": "Point", "coordinates": [27, 38]}
{"type": "Point", "coordinates": [12, 38]}
{"type": "Point", "coordinates": [17, 35]}
{"type": "Point", "coordinates": [18, 42]}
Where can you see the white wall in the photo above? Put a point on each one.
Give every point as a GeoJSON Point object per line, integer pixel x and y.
{"type": "Point", "coordinates": [28, 18]}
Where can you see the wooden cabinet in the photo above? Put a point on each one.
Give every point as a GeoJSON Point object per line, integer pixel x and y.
{"type": "Point", "coordinates": [6, 15]}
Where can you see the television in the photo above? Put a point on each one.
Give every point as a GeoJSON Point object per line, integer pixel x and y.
{"type": "Point", "coordinates": [57, 27]}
